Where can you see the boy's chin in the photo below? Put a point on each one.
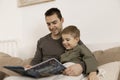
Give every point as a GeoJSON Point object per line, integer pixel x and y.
{"type": "Point", "coordinates": [68, 48]}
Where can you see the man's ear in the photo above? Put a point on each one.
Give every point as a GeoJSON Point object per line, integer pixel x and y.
{"type": "Point", "coordinates": [62, 19]}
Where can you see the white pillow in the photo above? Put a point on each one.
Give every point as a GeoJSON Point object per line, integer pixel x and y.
{"type": "Point", "coordinates": [111, 70]}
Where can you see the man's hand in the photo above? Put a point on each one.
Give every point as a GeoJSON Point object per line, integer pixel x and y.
{"type": "Point", "coordinates": [73, 70]}
{"type": "Point", "coordinates": [27, 66]}
{"type": "Point", "coordinates": [93, 76]}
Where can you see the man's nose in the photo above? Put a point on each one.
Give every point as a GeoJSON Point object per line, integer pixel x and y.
{"type": "Point", "coordinates": [51, 26]}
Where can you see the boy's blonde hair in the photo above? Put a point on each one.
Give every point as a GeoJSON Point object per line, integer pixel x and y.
{"type": "Point", "coordinates": [72, 30]}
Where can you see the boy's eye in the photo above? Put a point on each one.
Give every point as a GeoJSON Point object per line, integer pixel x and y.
{"type": "Point", "coordinates": [67, 39]}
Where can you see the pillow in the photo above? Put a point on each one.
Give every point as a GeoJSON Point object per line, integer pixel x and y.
{"type": "Point", "coordinates": [27, 61]}
{"type": "Point", "coordinates": [108, 55]}
{"type": "Point", "coordinates": [2, 75]}
{"type": "Point", "coordinates": [2, 54]}
{"type": "Point", "coordinates": [10, 61]}
{"type": "Point", "coordinates": [5, 59]}
{"type": "Point", "coordinates": [119, 72]}
{"type": "Point", "coordinates": [111, 69]}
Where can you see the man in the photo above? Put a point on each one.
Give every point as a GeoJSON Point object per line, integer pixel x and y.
{"type": "Point", "coordinates": [51, 45]}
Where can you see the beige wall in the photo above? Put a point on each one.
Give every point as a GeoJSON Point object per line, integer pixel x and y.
{"type": "Point", "coordinates": [98, 20]}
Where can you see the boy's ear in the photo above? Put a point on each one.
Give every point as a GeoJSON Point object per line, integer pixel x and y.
{"type": "Point", "coordinates": [77, 38]}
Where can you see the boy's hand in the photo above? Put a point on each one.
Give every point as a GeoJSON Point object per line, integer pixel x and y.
{"type": "Point", "coordinates": [73, 70]}
{"type": "Point", "coordinates": [93, 76]}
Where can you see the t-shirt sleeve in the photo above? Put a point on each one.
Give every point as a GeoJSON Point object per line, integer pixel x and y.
{"type": "Point", "coordinates": [38, 55]}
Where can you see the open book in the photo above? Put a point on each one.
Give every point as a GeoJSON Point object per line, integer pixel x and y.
{"type": "Point", "coordinates": [46, 68]}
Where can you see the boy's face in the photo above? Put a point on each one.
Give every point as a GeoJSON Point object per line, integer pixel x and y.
{"type": "Point", "coordinates": [54, 24]}
{"type": "Point", "coordinates": [69, 42]}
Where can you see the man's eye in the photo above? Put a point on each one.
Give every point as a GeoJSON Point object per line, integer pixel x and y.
{"type": "Point", "coordinates": [48, 24]}
{"type": "Point", "coordinates": [55, 22]}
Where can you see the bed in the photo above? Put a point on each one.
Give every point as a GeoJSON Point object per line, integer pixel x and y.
{"type": "Point", "coordinates": [107, 55]}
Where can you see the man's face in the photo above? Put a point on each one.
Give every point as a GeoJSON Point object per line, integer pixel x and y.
{"type": "Point", "coordinates": [54, 24]}
{"type": "Point", "coordinates": [69, 42]}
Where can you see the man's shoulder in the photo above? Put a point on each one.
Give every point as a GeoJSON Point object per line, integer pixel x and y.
{"type": "Point", "coordinates": [44, 37]}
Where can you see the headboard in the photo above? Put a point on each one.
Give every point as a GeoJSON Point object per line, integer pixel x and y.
{"type": "Point", "coordinates": [9, 47]}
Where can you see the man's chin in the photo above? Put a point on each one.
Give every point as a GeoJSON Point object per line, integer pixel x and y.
{"type": "Point", "coordinates": [55, 33]}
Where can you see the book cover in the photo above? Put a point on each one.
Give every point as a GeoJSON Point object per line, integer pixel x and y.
{"type": "Point", "coordinates": [46, 68]}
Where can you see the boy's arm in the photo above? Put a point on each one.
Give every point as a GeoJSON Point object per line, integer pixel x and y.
{"type": "Point", "coordinates": [90, 63]}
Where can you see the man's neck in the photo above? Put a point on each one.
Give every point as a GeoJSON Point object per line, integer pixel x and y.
{"type": "Point", "coordinates": [55, 37]}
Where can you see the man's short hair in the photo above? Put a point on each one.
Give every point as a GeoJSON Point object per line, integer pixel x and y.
{"type": "Point", "coordinates": [52, 11]}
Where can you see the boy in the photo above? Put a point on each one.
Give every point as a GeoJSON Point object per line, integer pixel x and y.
{"type": "Point", "coordinates": [76, 53]}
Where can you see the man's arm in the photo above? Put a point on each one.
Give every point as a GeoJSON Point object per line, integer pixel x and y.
{"type": "Point", "coordinates": [73, 70]}
{"type": "Point", "coordinates": [38, 55]}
